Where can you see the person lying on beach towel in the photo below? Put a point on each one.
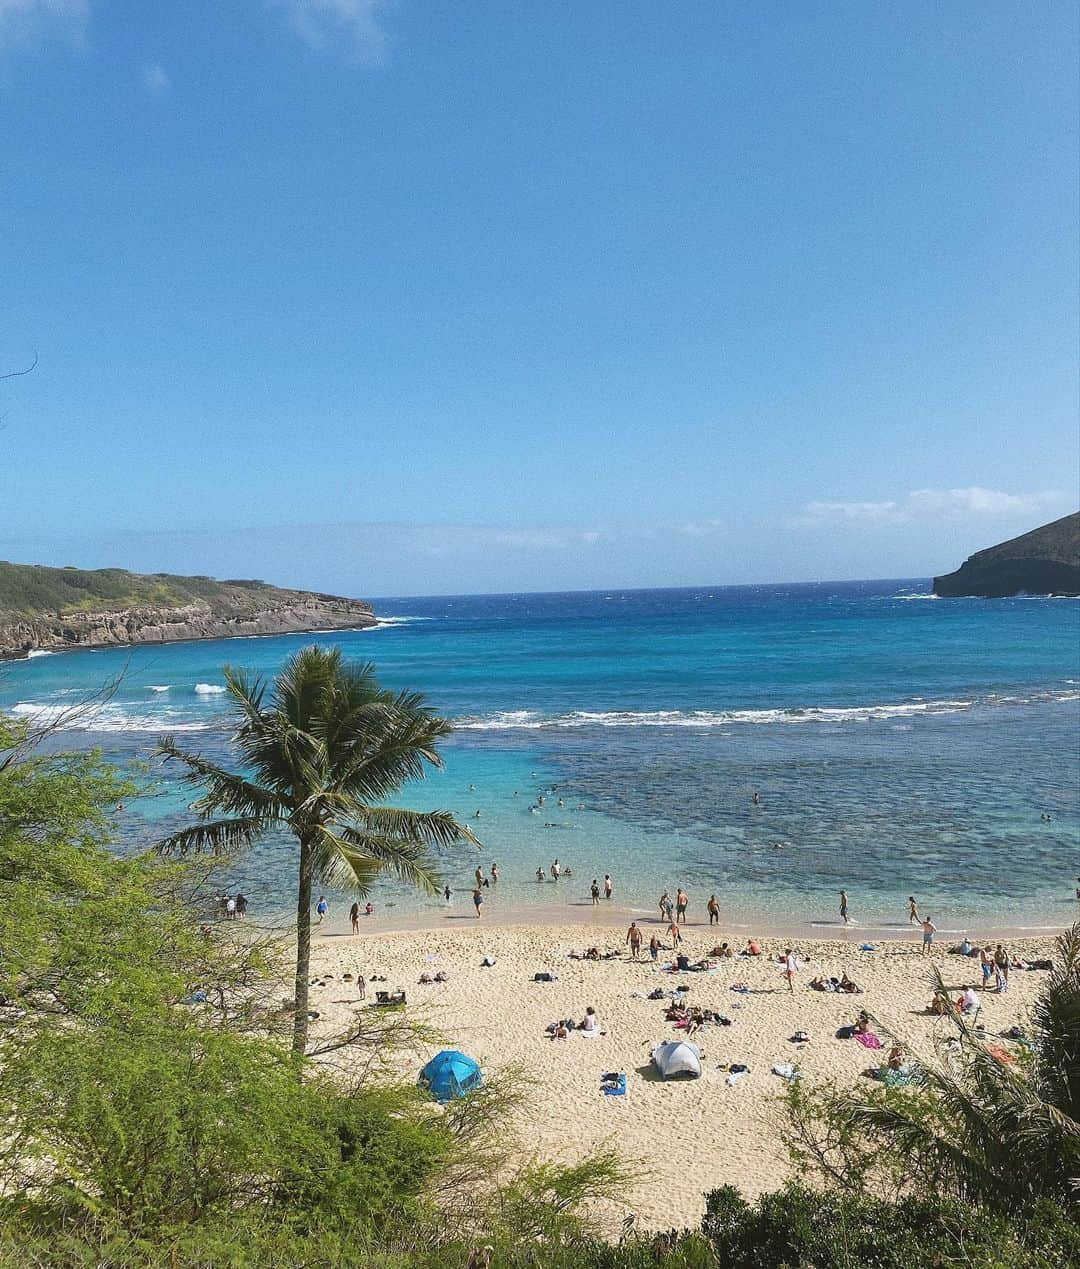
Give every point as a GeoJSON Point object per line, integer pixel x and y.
{"type": "Point", "coordinates": [868, 1040]}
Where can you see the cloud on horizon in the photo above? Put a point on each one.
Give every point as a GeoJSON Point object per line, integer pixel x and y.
{"type": "Point", "coordinates": [322, 22]}
{"type": "Point", "coordinates": [24, 23]}
{"type": "Point", "coordinates": [923, 505]}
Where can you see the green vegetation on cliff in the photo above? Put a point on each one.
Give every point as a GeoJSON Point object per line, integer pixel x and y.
{"type": "Point", "coordinates": [30, 589]}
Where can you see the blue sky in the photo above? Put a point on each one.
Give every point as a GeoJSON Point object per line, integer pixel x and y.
{"type": "Point", "coordinates": [419, 296]}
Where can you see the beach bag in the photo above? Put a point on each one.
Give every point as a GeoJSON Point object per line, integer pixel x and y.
{"type": "Point", "coordinates": [543, 976]}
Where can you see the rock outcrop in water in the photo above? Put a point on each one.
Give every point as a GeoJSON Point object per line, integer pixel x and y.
{"type": "Point", "coordinates": [64, 608]}
{"type": "Point", "coordinates": [1045, 561]}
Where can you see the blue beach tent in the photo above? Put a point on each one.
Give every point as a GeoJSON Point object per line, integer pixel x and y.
{"type": "Point", "coordinates": [451, 1074]}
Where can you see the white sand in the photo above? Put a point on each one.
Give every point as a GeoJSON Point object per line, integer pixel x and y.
{"type": "Point", "coordinates": [688, 1136]}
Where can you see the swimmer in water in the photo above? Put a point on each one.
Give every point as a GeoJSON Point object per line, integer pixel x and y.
{"type": "Point", "coordinates": [539, 874]}
{"type": "Point", "coordinates": [756, 799]}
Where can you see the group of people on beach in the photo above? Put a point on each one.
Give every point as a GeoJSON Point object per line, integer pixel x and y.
{"type": "Point", "coordinates": [232, 907]}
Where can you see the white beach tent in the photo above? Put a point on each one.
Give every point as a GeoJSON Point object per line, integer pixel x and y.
{"type": "Point", "coordinates": [677, 1057]}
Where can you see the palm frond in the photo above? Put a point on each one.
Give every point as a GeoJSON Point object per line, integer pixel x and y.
{"type": "Point", "coordinates": [214, 836]}
{"type": "Point", "coordinates": [224, 790]}
{"type": "Point", "coordinates": [337, 863]}
{"type": "Point", "coordinates": [432, 828]}
{"type": "Point", "coordinates": [405, 859]}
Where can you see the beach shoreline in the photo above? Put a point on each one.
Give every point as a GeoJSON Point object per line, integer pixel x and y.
{"type": "Point", "coordinates": [738, 927]}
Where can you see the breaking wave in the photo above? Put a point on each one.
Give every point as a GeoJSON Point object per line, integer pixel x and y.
{"type": "Point", "coordinates": [533, 720]}
{"type": "Point", "coordinates": [109, 717]}
{"type": "Point", "coordinates": [208, 689]}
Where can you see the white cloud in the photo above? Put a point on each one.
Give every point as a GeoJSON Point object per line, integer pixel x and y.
{"type": "Point", "coordinates": [26, 22]}
{"type": "Point", "coordinates": [923, 505]}
{"type": "Point", "coordinates": [156, 79]}
{"type": "Point", "coordinates": [322, 22]}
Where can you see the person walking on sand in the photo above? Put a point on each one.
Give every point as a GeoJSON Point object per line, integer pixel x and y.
{"type": "Point", "coordinates": [633, 937]}
{"type": "Point", "coordinates": [322, 908]}
{"type": "Point", "coordinates": [673, 931]}
{"type": "Point", "coordinates": [791, 964]}
{"type": "Point", "coordinates": [929, 929]}
{"type": "Point", "coordinates": [594, 890]}
{"type": "Point", "coordinates": [654, 948]}
{"type": "Point", "coordinates": [714, 910]}
{"type": "Point", "coordinates": [913, 911]}
{"type": "Point", "coordinates": [680, 906]}
{"type": "Point", "coordinates": [478, 899]}
{"type": "Point", "coordinates": [607, 886]}
{"type": "Point", "coordinates": [843, 906]}
{"type": "Point", "coordinates": [361, 986]}
{"type": "Point", "coordinates": [354, 918]}
{"type": "Point", "coordinates": [986, 964]}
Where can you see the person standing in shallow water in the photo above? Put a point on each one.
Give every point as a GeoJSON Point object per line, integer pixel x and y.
{"type": "Point", "coordinates": [843, 906]}
{"type": "Point", "coordinates": [714, 910]}
{"type": "Point", "coordinates": [595, 892]}
{"type": "Point", "coordinates": [681, 901]}
{"type": "Point", "coordinates": [607, 886]}
{"type": "Point", "coordinates": [354, 918]}
{"type": "Point", "coordinates": [478, 899]}
{"type": "Point", "coordinates": [322, 908]}
{"type": "Point", "coordinates": [913, 911]}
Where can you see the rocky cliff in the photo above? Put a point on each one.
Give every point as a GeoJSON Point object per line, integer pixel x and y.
{"type": "Point", "coordinates": [1045, 561]}
{"type": "Point", "coordinates": [53, 609]}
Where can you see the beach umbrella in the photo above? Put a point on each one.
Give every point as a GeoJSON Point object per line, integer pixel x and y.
{"type": "Point", "coordinates": [450, 1074]}
{"type": "Point", "coordinates": [677, 1057]}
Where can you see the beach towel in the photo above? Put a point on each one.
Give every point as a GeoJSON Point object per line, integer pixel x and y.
{"type": "Point", "coordinates": [868, 1040]}
{"type": "Point", "coordinates": [786, 1071]}
{"type": "Point", "coordinates": [613, 1084]}
{"type": "Point", "coordinates": [897, 1079]}
{"type": "Point", "coordinates": [1002, 1055]}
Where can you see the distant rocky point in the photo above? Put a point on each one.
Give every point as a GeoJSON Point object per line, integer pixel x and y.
{"type": "Point", "coordinates": [62, 608]}
{"type": "Point", "coordinates": [1045, 561]}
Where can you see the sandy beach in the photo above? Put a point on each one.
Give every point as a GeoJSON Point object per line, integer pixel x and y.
{"type": "Point", "coordinates": [686, 1136]}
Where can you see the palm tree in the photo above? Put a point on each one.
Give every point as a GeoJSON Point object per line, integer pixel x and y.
{"type": "Point", "coordinates": [321, 751]}
{"type": "Point", "coordinates": [992, 1132]}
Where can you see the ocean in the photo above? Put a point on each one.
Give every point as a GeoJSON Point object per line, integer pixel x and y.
{"type": "Point", "coordinates": [898, 745]}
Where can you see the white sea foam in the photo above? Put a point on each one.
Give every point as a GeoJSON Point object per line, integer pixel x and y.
{"type": "Point", "coordinates": [931, 596]}
{"type": "Point", "coordinates": [157, 687]}
{"type": "Point", "coordinates": [107, 717]}
{"type": "Point", "coordinates": [533, 720]}
{"type": "Point", "coordinates": [208, 689]}
{"type": "Point", "coordinates": [40, 652]}
{"type": "Point", "coordinates": [394, 621]}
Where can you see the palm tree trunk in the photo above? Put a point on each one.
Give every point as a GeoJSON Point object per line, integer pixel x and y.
{"type": "Point", "coordinates": [303, 950]}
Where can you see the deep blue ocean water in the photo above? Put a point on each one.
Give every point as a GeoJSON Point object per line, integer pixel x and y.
{"type": "Point", "coordinates": [899, 744]}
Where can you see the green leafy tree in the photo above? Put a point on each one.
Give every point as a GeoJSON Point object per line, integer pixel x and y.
{"type": "Point", "coordinates": [321, 750]}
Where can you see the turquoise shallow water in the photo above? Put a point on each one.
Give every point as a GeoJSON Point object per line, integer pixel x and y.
{"type": "Point", "coordinates": [899, 744]}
